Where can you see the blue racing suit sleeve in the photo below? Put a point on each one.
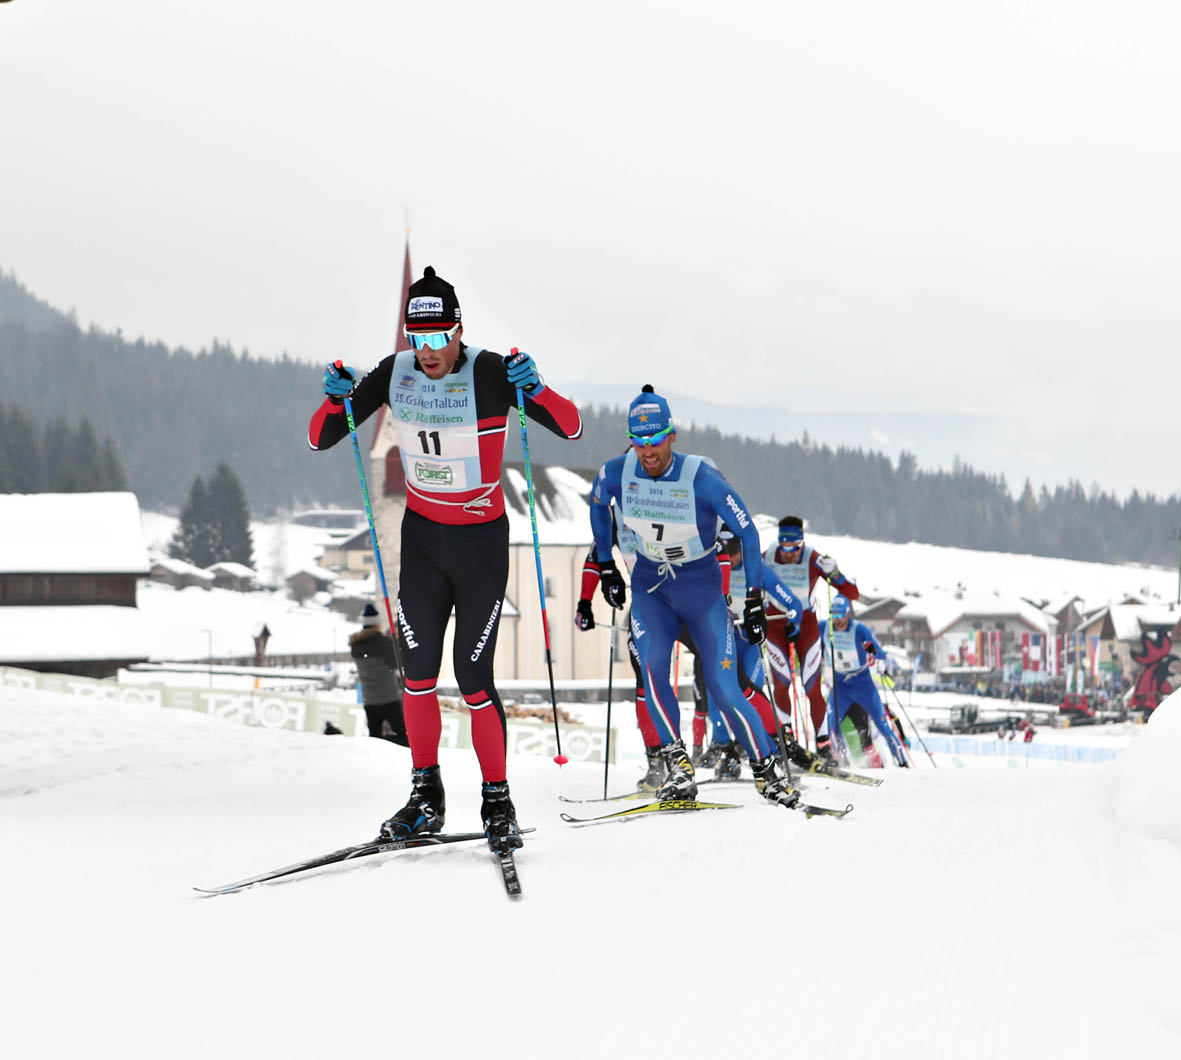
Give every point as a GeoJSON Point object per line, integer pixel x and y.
{"type": "Point", "coordinates": [722, 500]}
{"type": "Point", "coordinates": [606, 489]}
{"type": "Point", "coordinates": [865, 636]}
{"type": "Point", "coordinates": [782, 595]}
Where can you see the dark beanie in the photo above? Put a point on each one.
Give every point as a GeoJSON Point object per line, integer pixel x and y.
{"type": "Point", "coordinates": [431, 304]}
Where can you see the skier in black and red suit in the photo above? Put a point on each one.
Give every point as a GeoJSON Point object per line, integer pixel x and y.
{"type": "Point", "coordinates": [450, 404]}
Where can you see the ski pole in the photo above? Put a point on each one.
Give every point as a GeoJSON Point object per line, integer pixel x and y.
{"type": "Point", "coordinates": [898, 700]}
{"type": "Point", "coordinates": [610, 677]}
{"type": "Point", "coordinates": [834, 734]}
{"type": "Point", "coordinates": [348, 411]}
{"type": "Point", "coordinates": [560, 758]}
{"type": "Point", "coordinates": [801, 715]}
{"type": "Point", "coordinates": [771, 696]}
{"type": "Point", "coordinates": [884, 680]}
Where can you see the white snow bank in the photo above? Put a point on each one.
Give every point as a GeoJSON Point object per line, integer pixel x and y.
{"type": "Point", "coordinates": [193, 623]}
{"type": "Point", "coordinates": [966, 914]}
{"type": "Point", "coordinates": [84, 632]}
{"type": "Point", "coordinates": [1146, 804]}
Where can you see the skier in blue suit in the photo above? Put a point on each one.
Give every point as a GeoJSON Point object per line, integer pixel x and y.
{"type": "Point", "coordinates": [854, 649]}
{"type": "Point", "coordinates": [672, 502]}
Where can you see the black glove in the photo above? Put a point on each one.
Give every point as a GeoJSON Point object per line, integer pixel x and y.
{"type": "Point", "coordinates": [754, 618]}
{"type": "Point", "coordinates": [611, 582]}
{"type": "Point", "coordinates": [791, 631]}
{"type": "Point", "coordinates": [585, 618]}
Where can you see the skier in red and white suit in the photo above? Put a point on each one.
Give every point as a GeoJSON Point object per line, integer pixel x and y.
{"type": "Point", "coordinates": [800, 567]}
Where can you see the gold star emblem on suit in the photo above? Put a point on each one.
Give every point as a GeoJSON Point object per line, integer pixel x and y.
{"type": "Point", "coordinates": [725, 664]}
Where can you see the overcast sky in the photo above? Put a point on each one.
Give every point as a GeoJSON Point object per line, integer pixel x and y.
{"type": "Point", "coordinates": [857, 207]}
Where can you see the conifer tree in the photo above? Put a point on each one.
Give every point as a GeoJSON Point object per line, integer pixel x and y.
{"type": "Point", "coordinates": [194, 537]}
{"type": "Point", "coordinates": [230, 516]}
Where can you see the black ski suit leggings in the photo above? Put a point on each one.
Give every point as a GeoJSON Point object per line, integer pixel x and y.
{"type": "Point", "coordinates": [465, 567]}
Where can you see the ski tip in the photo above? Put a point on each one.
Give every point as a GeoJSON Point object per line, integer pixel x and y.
{"type": "Point", "coordinates": [561, 759]}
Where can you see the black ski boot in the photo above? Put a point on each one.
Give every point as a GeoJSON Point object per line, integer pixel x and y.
{"type": "Point", "coordinates": [798, 755]}
{"type": "Point", "coordinates": [424, 812]}
{"type": "Point", "coordinates": [729, 762]}
{"type": "Point", "coordinates": [712, 753]}
{"type": "Point", "coordinates": [826, 759]}
{"type": "Point", "coordinates": [652, 780]}
{"type": "Point", "coordinates": [680, 783]}
{"type": "Point", "coordinates": [772, 786]}
{"type": "Point", "coordinates": [500, 818]}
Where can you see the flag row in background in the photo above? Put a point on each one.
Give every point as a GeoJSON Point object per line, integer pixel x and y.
{"type": "Point", "coordinates": [1061, 653]}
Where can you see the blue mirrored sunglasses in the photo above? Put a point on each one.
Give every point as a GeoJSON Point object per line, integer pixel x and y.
{"type": "Point", "coordinates": [790, 544]}
{"type": "Point", "coordinates": [436, 340]}
{"type": "Point", "coordinates": [642, 441]}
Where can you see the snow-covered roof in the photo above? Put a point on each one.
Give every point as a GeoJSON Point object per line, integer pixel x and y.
{"type": "Point", "coordinates": [181, 567]}
{"type": "Point", "coordinates": [879, 607]}
{"type": "Point", "coordinates": [358, 540]}
{"type": "Point", "coordinates": [561, 497]}
{"type": "Point", "coordinates": [319, 573]}
{"type": "Point", "coordinates": [234, 570]}
{"type": "Point", "coordinates": [355, 588]}
{"type": "Point", "coordinates": [942, 610]}
{"type": "Point", "coordinates": [71, 533]}
{"type": "Point", "coordinates": [1131, 620]}
{"type": "Point", "coordinates": [1056, 604]}
{"type": "Point", "coordinates": [74, 633]}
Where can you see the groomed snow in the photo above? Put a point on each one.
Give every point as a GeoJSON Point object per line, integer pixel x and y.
{"type": "Point", "coordinates": [975, 912]}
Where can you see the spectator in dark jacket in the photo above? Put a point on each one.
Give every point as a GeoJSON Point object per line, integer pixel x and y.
{"type": "Point", "coordinates": [380, 678]}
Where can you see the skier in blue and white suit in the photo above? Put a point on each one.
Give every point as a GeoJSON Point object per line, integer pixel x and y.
{"type": "Point", "coordinates": [672, 503]}
{"type": "Point", "coordinates": [854, 651]}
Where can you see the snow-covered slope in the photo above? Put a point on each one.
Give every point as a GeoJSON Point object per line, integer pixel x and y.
{"type": "Point", "coordinates": [976, 912]}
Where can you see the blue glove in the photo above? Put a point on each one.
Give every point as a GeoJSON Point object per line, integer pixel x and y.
{"type": "Point", "coordinates": [338, 382]}
{"type": "Point", "coordinates": [522, 372]}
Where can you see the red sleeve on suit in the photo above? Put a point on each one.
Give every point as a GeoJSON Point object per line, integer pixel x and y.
{"type": "Point", "coordinates": [724, 563]}
{"type": "Point", "coordinates": [590, 575]}
{"type": "Point", "coordinates": [316, 429]}
{"type": "Point", "coordinates": [563, 413]}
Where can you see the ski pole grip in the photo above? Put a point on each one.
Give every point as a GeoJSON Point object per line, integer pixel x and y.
{"type": "Point", "coordinates": [341, 370]}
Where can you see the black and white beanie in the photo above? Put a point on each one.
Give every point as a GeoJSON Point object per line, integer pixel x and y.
{"type": "Point", "coordinates": [431, 304]}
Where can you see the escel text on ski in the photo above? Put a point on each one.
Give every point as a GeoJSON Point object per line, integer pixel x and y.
{"type": "Point", "coordinates": [652, 808]}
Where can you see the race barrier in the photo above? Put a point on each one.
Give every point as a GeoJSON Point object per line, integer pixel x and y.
{"type": "Point", "coordinates": [991, 747]}
{"type": "Point", "coordinates": [268, 710]}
